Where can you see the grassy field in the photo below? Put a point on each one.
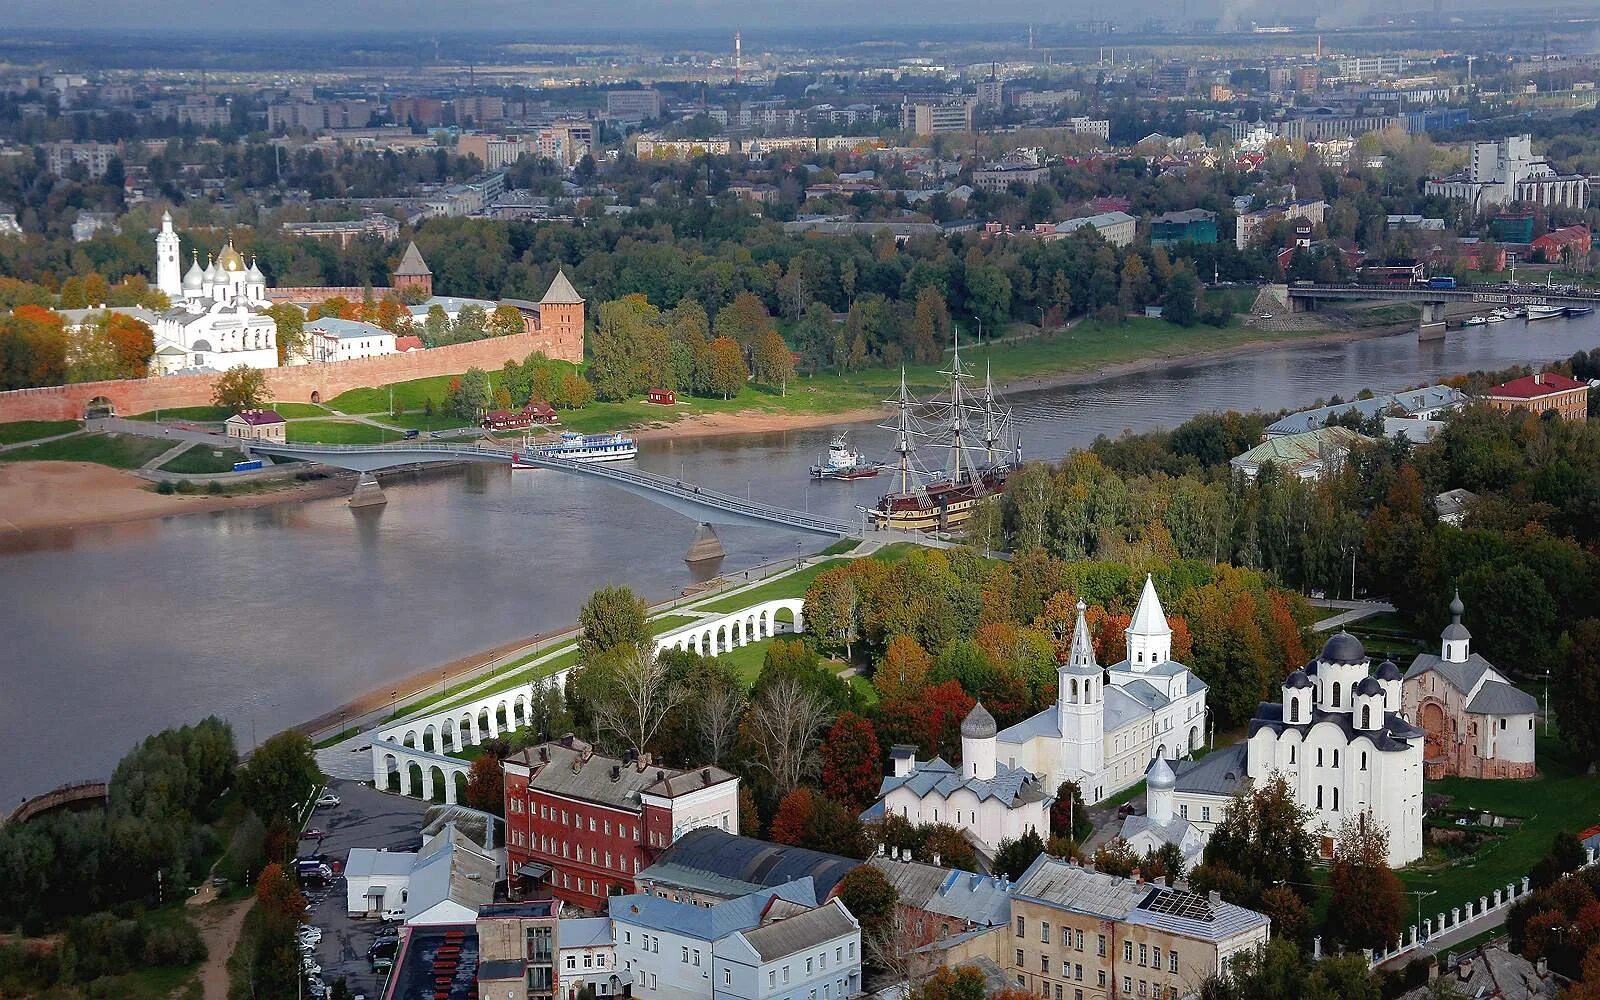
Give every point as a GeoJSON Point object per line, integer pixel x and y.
{"type": "Point", "coordinates": [793, 585]}
{"type": "Point", "coordinates": [203, 459]}
{"type": "Point", "coordinates": [1563, 797]}
{"type": "Point", "coordinates": [120, 451]}
{"type": "Point", "coordinates": [291, 411]}
{"type": "Point", "coordinates": [201, 414]}
{"type": "Point", "coordinates": [338, 432]}
{"type": "Point", "coordinates": [32, 430]}
{"type": "Point", "coordinates": [1086, 347]}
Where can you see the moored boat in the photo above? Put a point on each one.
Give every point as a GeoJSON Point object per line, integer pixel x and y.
{"type": "Point", "coordinates": [1475, 321]}
{"type": "Point", "coordinates": [842, 463]}
{"type": "Point", "coordinates": [588, 448]}
{"type": "Point", "coordinates": [1545, 312]}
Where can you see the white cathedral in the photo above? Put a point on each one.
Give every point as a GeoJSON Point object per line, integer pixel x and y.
{"type": "Point", "coordinates": [1109, 723]}
{"type": "Point", "coordinates": [218, 314]}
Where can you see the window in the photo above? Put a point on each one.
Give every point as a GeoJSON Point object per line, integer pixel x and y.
{"type": "Point", "coordinates": [808, 966]}
{"type": "Point", "coordinates": [852, 947]}
{"type": "Point", "coordinates": [1319, 796]}
{"type": "Point", "coordinates": [1020, 958]}
{"type": "Point", "coordinates": [1020, 926]}
{"type": "Point", "coordinates": [1183, 810]}
{"type": "Point", "coordinates": [1366, 718]}
{"type": "Point", "coordinates": [1363, 760]}
{"type": "Point", "coordinates": [1172, 960]}
{"type": "Point", "coordinates": [1080, 940]}
{"type": "Point", "coordinates": [1502, 724]}
{"type": "Point", "coordinates": [697, 958]}
{"type": "Point", "coordinates": [1100, 947]}
{"type": "Point", "coordinates": [1144, 954]}
{"type": "Point", "coordinates": [1205, 814]}
{"type": "Point", "coordinates": [588, 961]}
{"type": "Point", "coordinates": [1044, 931]}
{"type": "Point", "coordinates": [1066, 970]}
{"type": "Point", "coordinates": [1335, 800]}
{"type": "Point", "coordinates": [627, 937]}
{"type": "Point", "coordinates": [727, 977]}
{"type": "Point", "coordinates": [563, 817]}
{"type": "Point", "coordinates": [772, 980]}
{"type": "Point", "coordinates": [608, 827]}
{"type": "Point", "coordinates": [1335, 756]}
{"type": "Point", "coordinates": [591, 824]}
{"type": "Point", "coordinates": [838, 956]}
{"type": "Point", "coordinates": [1336, 696]}
{"type": "Point", "coordinates": [1291, 753]}
{"type": "Point", "coordinates": [1102, 979]}
{"type": "Point", "coordinates": [572, 962]}
{"type": "Point", "coordinates": [1127, 984]}
{"type": "Point", "coordinates": [1294, 709]}
{"type": "Point", "coordinates": [1127, 951]}
{"type": "Point", "coordinates": [1319, 756]}
{"type": "Point", "coordinates": [786, 974]}
{"type": "Point", "coordinates": [1044, 964]}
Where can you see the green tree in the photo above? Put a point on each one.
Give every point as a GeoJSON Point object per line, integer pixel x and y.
{"type": "Point", "coordinates": [867, 893]}
{"type": "Point", "coordinates": [1576, 698]}
{"type": "Point", "coordinates": [727, 375]}
{"type": "Point", "coordinates": [744, 320]}
{"type": "Point", "coordinates": [1265, 838]}
{"type": "Point", "coordinates": [1013, 857]}
{"type": "Point", "coordinates": [291, 331]}
{"type": "Point", "coordinates": [1137, 288]}
{"type": "Point", "coordinates": [611, 618]}
{"type": "Point", "coordinates": [1179, 302]}
{"type": "Point", "coordinates": [1069, 817]}
{"type": "Point", "coordinates": [472, 396]}
{"type": "Point", "coordinates": [505, 321]}
{"type": "Point", "coordinates": [832, 606]}
{"type": "Point", "coordinates": [990, 296]}
{"type": "Point", "coordinates": [815, 336]}
{"type": "Point", "coordinates": [240, 388]}
{"type": "Point", "coordinates": [278, 778]}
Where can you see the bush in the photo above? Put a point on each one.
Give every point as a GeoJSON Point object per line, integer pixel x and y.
{"type": "Point", "coordinates": [173, 944]}
{"type": "Point", "coordinates": [185, 487]}
{"type": "Point", "coordinates": [165, 488]}
{"type": "Point", "coordinates": [214, 488]}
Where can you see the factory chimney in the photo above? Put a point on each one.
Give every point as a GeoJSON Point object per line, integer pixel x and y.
{"type": "Point", "coordinates": [738, 59]}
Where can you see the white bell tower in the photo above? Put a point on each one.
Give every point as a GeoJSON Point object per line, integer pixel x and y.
{"type": "Point", "coordinates": [1455, 640]}
{"type": "Point", "coordinates": [169, 279]}
{"type": "Point", "coordinates": [1149, 635]}
{"type": "Point", "coordinates": [1080, 713]}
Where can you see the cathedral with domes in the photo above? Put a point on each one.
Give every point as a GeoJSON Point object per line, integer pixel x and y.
{"type": "Point", "coordinates": [217, 318]}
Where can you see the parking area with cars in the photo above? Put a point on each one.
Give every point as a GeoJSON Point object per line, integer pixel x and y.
{"type": "Point", "coordinates": [362, 817]}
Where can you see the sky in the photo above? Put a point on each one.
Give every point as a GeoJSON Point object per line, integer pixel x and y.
{"type": "Point", "coordinates": [521, 15]}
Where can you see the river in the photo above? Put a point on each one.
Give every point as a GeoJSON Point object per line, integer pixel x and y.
{"type": "Point", "coordinates": [270, 616]}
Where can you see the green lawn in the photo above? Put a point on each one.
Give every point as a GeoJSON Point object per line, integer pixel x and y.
{"type": "Point", "coordinates": [747, 660]}
{"type": "Point", "coordinates": [337, 432]}
{"type": "Point", "coordinates": [202, 414]}
{"type": "Point", "coordinates": [120, 451]}
{"type": "Point", "coordinates": [1087, 347]}
{"type": "Point", "coordinates": [31, 430]}
{"type": "Point", "coordinates": [203, 459]}
{"type": "Point", "coordinates": [290, 411]}
{"type": "Point", "coordinates": [793, 585]}
{"type": "Point", "coordinates": [1563, 797]}
{"type": "Point", "coordinates": [863, 686]}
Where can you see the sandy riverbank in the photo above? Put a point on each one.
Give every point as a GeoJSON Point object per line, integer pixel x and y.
{"type": "Point", "coordinates": [43, 496]}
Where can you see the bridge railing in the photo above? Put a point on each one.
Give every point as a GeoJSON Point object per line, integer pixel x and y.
{"type": "Point", "coordinates": [660, 484]}
{"type": "Point", "coordinates": [1459, 291]}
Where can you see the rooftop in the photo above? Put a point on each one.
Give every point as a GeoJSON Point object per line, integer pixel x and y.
{"type": "Point", "coordinates": [570, 768]}
{"type": "Point", "coordinates": [435, 963]}
{"type": "Point", "coordinates": [1535, 386]}
{"type": "Point", "coordinates": [746, 861]}
{"type": "Point", "coordinates": [775, 939]}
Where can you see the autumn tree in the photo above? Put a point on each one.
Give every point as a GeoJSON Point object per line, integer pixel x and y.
{"type": "Point", "coordinates": [851, 761]}
{"type": "Point", "coordinates": [931, 722]}
{"type": "Point", "coordinates": [727, 374]}
{"type": "Point", "coordinates": [486, 785]}
{"type": "Point", "coordinates": [1069, 817]}
{"type": "Point", "coordinates": [277, 895]}
{"type": "Point", "coordinates": [33, 348]}
{"type": "Point", "coordinates": [1367, 909]}
{"type": "Point", "coordinates": [792, 822]}
{"type": "Point", "coordinates": [948, 847]}
{"type": "Point", "coordinates": [903, 672]}
{"type": "Point", "coordinates": [867, 893]}
{"type": "Point", "coordinates": [132, 344]}
{"type": "Point", "coordinates": [1115, 857]}
{"type": "Point", "coordinates": [1137, 288]}
{"type": "Point", "coordinates": [774, 364]}
{"type": "Point", "coordinates": [743, 321]}
{"type": "Point", "coordinates": [612, 617]}
{"type": "Point", "coordinates": [832, 606]}
{"type": "Point", "coordinates": [505, 321]}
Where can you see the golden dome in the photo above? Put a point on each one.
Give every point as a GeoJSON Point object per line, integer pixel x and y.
{"type": "Point", "coordinates": [229, 259]}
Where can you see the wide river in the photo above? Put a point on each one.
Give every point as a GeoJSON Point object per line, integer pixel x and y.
{"type": "Point", "coordinates": [271, 616]}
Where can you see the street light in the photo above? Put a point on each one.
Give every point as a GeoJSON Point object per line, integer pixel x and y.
{"type": "Point", "coordinates": [1420, 897]}
{"type": "Point", "coordinates": [797, 553]}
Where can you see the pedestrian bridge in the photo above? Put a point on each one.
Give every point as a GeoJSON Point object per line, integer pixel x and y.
{"type": "Point", "coordinates": [698, 502]}
{"type": "Point", "coordinates": [1303, 296]}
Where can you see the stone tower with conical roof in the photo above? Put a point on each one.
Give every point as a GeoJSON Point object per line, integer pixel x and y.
{"type": "Point", "coordinates": [561, 320]}
{"type": "Point", "coordinates": [1080, 709]}
{"type": "Point", "coordinates": [413, 271]}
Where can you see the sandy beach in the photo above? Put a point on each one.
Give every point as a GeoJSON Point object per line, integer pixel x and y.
{"type": "Point", "coordinates": [41, 496]}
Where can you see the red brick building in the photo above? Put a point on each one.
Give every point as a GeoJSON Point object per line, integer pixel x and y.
{"type": "Point", "coordinates": [585, 824]}
{"type": "Point", "coordinates": [1540, 392]}
{"type": "Point", "coordinates": [1552, 246]}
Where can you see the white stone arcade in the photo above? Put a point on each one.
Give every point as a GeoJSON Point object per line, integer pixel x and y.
{"type": "Point", "coordinates": [740, 628]}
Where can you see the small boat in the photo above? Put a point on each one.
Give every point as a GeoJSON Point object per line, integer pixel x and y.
{"type": "Point", "coordinates": [575, 447]}
{"type": "Point", "coordinates": [1580, 310]}
{"type": "Point", "coordinates": [1494, 317]}
{"type": "Point", "coordinates": [1475, 321]}
{"type": "Point", "coordinates": [1545, 312]}
{"type": "Point", "coordinates": [842, 463]}
{"type": "Point", "coordinates": [1504, 312]}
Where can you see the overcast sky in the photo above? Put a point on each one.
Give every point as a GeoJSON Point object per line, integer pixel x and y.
{"type": "Point", "coordinates": [521, 15]}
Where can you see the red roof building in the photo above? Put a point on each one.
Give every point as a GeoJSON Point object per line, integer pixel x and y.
{"type": "Point", "coordinates": [1541, 392]}
{"type": "Point", "coordinates": [1552, 246]}
{"type": "Point", "coordinates": [663, 397]}
{"type": "Point", "coordinates": [407, 342]}
{"type": "Point", "coordinates": [585, 824]}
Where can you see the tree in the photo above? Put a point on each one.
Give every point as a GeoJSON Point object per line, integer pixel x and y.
{"type": "Point", "coordinates": [132, 345]}
{"type": "Point", "coordinates": [791, 824]}
{"type": "Point", "coordinates": [291, 331]}
{"type": "Point", "coordinates": [635, 696]}
{"type": "Point", "coordinates": [814, 335]}
{"type": "Point", "coordinates": [851, 761]}
{"type": "Point", "coordinates": [1013, 857]}
{"type": "Point", "coordinates": [931, 721]}
{"type": "Point", "coordinates": [965, 983]}
{"type": "Point", "coordinates": [744, 320]}
{"type": "Point", "coordinates": [240, 388]}
{"type": "Point", "coordinates": [1069, 817]}
{"type": "Point", "coordinates": [279, 777]}
{"type": "Point", "coordinates": [1576, 698]}
{"type": "Point", "coordinates": [866, 892]}
{"type": "Point", "coordinates": [1115, 857]}
{"type": "Point", "coordinates": [276, 894]}
{"type": "Point", "coordinates": [1566, 854]}
{"type": "Point", "coordinates": [832, 604]}
{"type": "Point", "coordinates": [504, 321]}
{"type": "Point", "coordinates": [1281, 972]}
{"type": "Point", "coordinates": [749, 815]}
{"type": "Point", "coordinates": [1367, 909]}
{"type": "Point", "coordinates": [947, 847]}
{"type": "Point", "coordinates": [1264, 837]}
{"type": "Point", "coordinates": [1178, 304]}
{"type": "Point", "coordinates": [471, 396]}
{"type": "Point", "coordinates": [774, 364]}
{"type": "Point", "coordinates": [784, 726]}
{"type": "Point", "coordinates": [717, 714]}
{"type": "Point", "coordinates": [486, 785]}
{"type": "Point", "coordinates": [1292, 920]}
{"type": "Point", "coordinates": [1137, 288]}
{"type": "Point", "coordinates": [727, 374]}
{"type": "Point", "coordinates": [989, 292]}
{"type": "Point", "coordinates": [33, 348]}
{"type": "Point", "coordinates": [612, 617]}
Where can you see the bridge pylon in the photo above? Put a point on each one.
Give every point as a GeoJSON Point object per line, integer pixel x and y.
{"type": "Point", "coordinates": [368, 493]}
{"type": "Point", "coordinates": [1431, 324]}
{"type": "Point", "coordinates": [706, 545]}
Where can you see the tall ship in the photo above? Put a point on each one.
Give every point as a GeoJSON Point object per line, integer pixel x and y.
{"type": "Point", "coordinates": [575, 447]}
{"type": "Point", "coordinates": [968, 433]}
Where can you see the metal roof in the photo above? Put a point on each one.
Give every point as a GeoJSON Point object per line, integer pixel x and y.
{"type": "Point", "coordinates": [574, 771]}
{"type": "Point", "coordinates": [1055, 882]}
{"type": "Point", "coordinates": [778, 938]}
{"type": "Point", "coordinates": [1500, 698]}
{"type": "Point", "coordinates": [707, 923]}
{"type": "Point", "coordinates": [746, 859]}
{"type": "Point", "coordinates": [1464, 677]}
{"type": "Point", "coordinates": [584, 932]}
{"type": "Point", "coordinates": [1220, 772]}
{"type": "Point", "coordinates": [1012, 786]}
{"type": "Point", "coordinates": [977, 899]}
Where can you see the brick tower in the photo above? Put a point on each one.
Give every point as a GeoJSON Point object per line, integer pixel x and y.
{"type": "Point", "coordinates": [413, 271]}
{"type": "Point", "coordinates": [561, 320]}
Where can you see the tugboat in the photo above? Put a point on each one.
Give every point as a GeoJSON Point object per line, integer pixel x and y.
{"type": "Point", "coordinates": [978, 460]}
{"type": "Point", "coordinates": [842, 463]}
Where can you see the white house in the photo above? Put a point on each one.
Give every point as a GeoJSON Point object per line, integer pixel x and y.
{"type": "Point", "coordinates": [444, 883]}
{"type": "Point", "coordinates": [376, 880]}
{"type": "Point", "coordinates": [1109, 723]}
{"type": "Point", "coordinates": [587, 956]}
{"type": "Point", "coordinates": [991, 801]}
{"type": "Point", "coordinates": [772, 945]}
{"type": "Point", "coordinates": [333, 339]}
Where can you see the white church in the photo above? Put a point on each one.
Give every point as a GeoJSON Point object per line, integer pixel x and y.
{"type": "Point", "coordinates": [1109, 723]}
{"type": "Point", "coordinates": [218, 317]}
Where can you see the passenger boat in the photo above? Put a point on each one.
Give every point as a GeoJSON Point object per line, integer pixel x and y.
{"type": "Point", "coordinates": [974, 436]}
{"type": "Point", "coordinates": [575, 447]}
{"type": "Point", "coordinates": [1475, 321]}
{"type": "Point", "coordinates": [1579, 310]}
{"type": "Point", "coordinates": [1545, 312]}
{"type": "Point", "coordinates": [842, 463]}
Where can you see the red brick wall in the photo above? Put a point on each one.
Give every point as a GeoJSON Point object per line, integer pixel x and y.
{"type": "Point", "coordinates": [289, 385]}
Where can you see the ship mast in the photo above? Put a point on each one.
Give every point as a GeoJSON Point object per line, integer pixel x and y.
{"type": "Point", "coordinates": [904, 431]}
{"type": "Point", "coordinates": [956, 462]}
{"type": "Point", "coordinates": [991, 429]}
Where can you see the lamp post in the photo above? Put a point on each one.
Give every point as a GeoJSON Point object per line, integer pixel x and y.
{"type": "Point", "coordinates": [1547, 701]}
{"type": "Point", "coordinates": [1420, 897]}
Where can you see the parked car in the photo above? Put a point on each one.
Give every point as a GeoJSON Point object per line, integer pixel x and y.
{"type": "Point", "coordinates": [309, 933]}
{"type": "Point", "coordinates": [383, 949]}
{"type": "Point", "coordinates": [394, 915]}
{"type": "Point", "coordinates": [326, 800]}
{"type": "Point", "coordinates": [316, 987]}
{"type": "Point", "coordinates": [382, 964]}
{"type": "Point", "coordinates": [311, 833]}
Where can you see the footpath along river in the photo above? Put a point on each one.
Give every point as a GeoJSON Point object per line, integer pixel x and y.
{"type": "Point", "coordinates": [270, 616]}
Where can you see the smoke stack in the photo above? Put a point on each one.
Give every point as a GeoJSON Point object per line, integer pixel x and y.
{"type": "Point", "coordinates": [738, 58]}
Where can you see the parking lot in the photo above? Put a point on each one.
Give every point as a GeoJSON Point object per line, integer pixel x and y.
{"type": "Point", "coordinates": [363, 818]}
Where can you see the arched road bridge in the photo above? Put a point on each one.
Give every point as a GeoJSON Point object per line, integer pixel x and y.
{"type": "Point", "coordinates": [1304, 296]}
{"type": "Point", "coordinates": [704, 505]}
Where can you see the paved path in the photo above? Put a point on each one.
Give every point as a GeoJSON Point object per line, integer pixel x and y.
{"type": "Point", "coordinates": [168, 455]}
{"type": "Point", "coordinates": [1363, 609]}
{"type": "Point", "coordinates": [146, 428]}
{"type": "Point", "coordinates": [34, 441]}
